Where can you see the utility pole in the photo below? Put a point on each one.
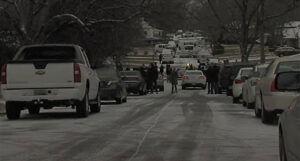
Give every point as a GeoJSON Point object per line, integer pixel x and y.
{"type": "Point", "coordinates": [262, 33]}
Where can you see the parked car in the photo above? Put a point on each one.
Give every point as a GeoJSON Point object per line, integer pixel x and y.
{"type": "Point", "coordinates": [47, 76]}
{"type": "Point", "coordinates": [193, 78]}
{"type": "Point", "coordinates": [289, 122]}
{"type": "Point", "coordinates": [227, 74]}
{"type": "Point", "coordinates": [270, 101]}
{"type": "Point", "coordinates": [134, 82]}
{"type": "Point", "coordinates": [238, 83]}
{"type": "Point", "coordinates": [167, 56]}
{"type": "Point", "coordinates": [285, 51]}
{"type": "Point", "coordinates": [161, 82]}
{"type": "Point", "coordinates": [112, 86]}
{"type": "Point", "coordinates": [248, 89]}
{"type": "Point", "coordinates": [159, 48]}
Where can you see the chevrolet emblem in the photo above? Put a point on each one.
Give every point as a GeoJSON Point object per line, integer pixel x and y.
{"type": "Point", "coordinates": [40, 72]}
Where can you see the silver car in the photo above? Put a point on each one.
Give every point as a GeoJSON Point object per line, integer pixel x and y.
{"type": "Point", "coordinates": [248, 90]}
{"type": "Point", "coordinates": [289, 122]}
{"type": "Point", "coordinates": [193, 78]}
{"type": "Point", "coordinates": [270, 101]}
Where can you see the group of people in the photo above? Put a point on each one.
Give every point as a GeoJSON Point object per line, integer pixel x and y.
{"type": "Point", "coordinates": [212, 75]}
{"type": "Point", "coordinates": [150, 75]}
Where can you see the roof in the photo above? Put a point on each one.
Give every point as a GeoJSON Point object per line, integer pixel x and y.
{"type": "Point", "coordinates": [289, 58]}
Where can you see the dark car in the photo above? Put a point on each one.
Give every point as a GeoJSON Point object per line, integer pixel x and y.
{"type": "Point", "coordinates": [227, 74]}
{"type": "Point", "coordinates": [134, 82]}
{"type": "Point", "coordinates": [112, 86]}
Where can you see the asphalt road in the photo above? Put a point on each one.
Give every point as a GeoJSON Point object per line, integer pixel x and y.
{"type": "Point", "coordinates": [188, 126]}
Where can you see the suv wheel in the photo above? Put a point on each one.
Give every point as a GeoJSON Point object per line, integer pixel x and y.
{"type": "Point", "coordinates": [119, 100]}
{"type": "Point", "coordinates": [83, 107]}
{"type": "Point", "coordinates": [266, 116]}
{"type": "Point", "coordinates": [96, 108]}
{"type": "Point", "coordinates": [235, 100]}
{"type": "Point", "coordinates": [34, 110]}
{"type": "Point", "coordinates": [13, 112]}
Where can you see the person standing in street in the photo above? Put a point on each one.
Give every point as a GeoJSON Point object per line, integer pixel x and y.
{"type": "Point", "coordinates": [209, 78]}
{"type": "Point", "coordinates": [174, 80]}
{"type": "Point", "coordinates": [215, 78]}
{"type": "Point", "coordinates": [160, 58]}
{"type": "Point", "coordinates": [161, 69]}
{"type": "Point", "coordinates": [168, 71]}
{"type": "Point", "coordinates": [155, 77]}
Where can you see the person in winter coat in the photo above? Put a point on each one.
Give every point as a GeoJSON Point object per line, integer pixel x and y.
{"type": "Point", "coordinates": [174, 80]}
{"type": "Point", "coordinates": [209, 78]}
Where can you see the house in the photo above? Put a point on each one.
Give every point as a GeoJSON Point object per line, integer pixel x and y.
{"type": "Point", "coordinates": [291, 34]}
{"type": "Point", "coordinates": [152, 34]}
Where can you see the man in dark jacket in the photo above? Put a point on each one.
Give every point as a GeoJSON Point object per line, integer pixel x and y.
{"type": "Point", "coordinates": [210, 79]}
{"type": "Point", "coordinates": [215, 78]}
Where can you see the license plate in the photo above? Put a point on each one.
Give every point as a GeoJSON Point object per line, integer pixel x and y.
{"type": "Point", "coordinates": [40, 92]}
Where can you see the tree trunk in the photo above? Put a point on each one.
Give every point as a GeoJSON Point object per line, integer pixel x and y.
{"type": "Point", "coordinates": [262, 36]}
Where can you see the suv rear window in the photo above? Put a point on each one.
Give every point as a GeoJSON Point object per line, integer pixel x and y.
{"type": "Point", "coordinates": [47, 53]}
{"type": "Point", "coordinates": [288, 66]}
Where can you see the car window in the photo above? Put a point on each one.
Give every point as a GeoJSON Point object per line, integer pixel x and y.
{"type": "Point", "coordinates": [47, 53]}
{"type": "Point", "coordinates": [288, 66]}
{"type": "Point", "coordinates": [246, 72]}
{"type": "Point", "coordinates": [107, 74]}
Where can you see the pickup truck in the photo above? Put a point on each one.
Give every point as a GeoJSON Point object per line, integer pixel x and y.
{"type": "Point", "coordinates": [47, 76]}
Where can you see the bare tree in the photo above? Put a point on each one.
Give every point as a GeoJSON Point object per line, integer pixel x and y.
{"type": "Point", "coordinates": [243, 19]}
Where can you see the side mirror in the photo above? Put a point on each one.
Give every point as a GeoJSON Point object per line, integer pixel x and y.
{"type": "Point", "coordinates": [288, 81]}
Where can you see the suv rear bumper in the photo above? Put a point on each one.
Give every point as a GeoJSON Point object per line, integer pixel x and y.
{"type": "Point", "coordinates": [30, 95]}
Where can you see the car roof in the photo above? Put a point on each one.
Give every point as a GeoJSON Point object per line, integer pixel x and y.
{"type": "Point", "coordinates": [289, 58]}
{"type": "Point", "coordinates": [246, 68]}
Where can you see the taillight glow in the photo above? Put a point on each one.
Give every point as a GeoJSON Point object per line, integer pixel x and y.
{"type": "Point", "coordinates": [77, 73]}
{"type": "Point", "coordinates": [4, 74]}
{"type": "Point", "coordinates": [161, 77]}
{"type": "Point", "coordinates": [185, 77]}
{"type": "Point", "coordinates": [273, 88]}
{"type": "Point", "coordinates": [239, 81]}
{"type": "Point", "coordinates": [202, 77]}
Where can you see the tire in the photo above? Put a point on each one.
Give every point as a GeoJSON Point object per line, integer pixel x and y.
{"type": "Point", "coordinates": [257, 112]}
{"type": "Point", "coordinates": [13, 112]}
{"type": "Point", "coordinates": [235, 100]}
{"type": "Point", "coordinates": [228, 92]}
{"type": "Point", "coordinates": [119, 101]}
{"type": "Point", "coordinates": [125, 99]}
{"type": "Point", "coordinates": [251, 105]}
{"type": "Point", "coordinates": [282, 150]}
{"type": "Point", "coordinates": [266, 116]}
{"type": "Point", "coordinates": [35, 110]}
{"type": "Point", "coordinates": [83, 107]}
{"type": "Point", "coordinates": [183, 88]}
{"type": "Point", "coordinates": [162, 89]}
{"type": "Point", "coordinates": [245, 104]}
{"type": "Point", "coordinates": [96, 108]}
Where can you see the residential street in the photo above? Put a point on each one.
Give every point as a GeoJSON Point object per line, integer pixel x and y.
{"type": "Point", "coordinates": [188, 126]}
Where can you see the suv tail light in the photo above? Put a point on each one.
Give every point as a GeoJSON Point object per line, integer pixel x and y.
{"type": "Point", "coordinates": [273, 88]}
{"type": "Point", "coordinates": [4, 74]}
{"type": "Point", "coordinates": [239, 81]}
{"type": "Point", "coordinates": [77, 73]}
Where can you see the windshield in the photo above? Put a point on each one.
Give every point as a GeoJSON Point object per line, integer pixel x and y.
{"type": "Point", "coordinates": [47, 53]}
{"type": "Point", "coordinates": [288, 66]}
{"type": "Point", "coordinates": [246, 72]}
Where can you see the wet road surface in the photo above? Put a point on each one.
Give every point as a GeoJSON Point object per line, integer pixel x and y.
{"type": "Point", "coordinates": [188, 126]}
